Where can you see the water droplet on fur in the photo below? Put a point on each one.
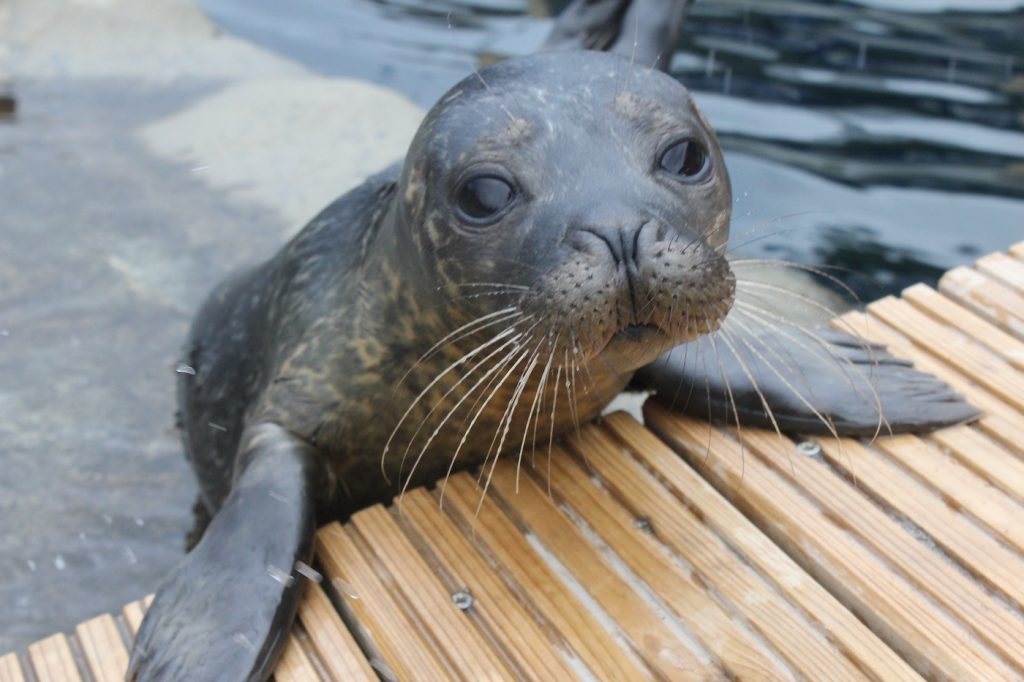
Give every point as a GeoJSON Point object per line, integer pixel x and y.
{"type": "Point", "coordinates": [182, 368]}
{"type": "Point", "coordinates": [243, 641]}
{"type": "Point", "coordinates": [279, 497]}
{"type": "Point", "coordinates": [280, 576]}
{"type": "Point", "coordinates": [59, 563]}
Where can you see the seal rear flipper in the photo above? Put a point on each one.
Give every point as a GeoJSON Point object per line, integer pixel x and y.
{"type": "Point", "coordinates": [224, 612]}
{"type": "Point", "coordinates": [811, 381]}
{"type": "Point", "coordinates": [645, 31]}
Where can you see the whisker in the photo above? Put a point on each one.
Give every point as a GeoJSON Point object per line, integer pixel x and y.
{"type": "Point", "coordinates": [452, 411]}
{"type": "Point", "coordinates": [757, 389]}
{"type": "Point", "coordinates": [511, 312]}
{"type": "Point", "coordinates": [539, 395]}
{"type": "Point", "coordinates": [502, 285]}
{"type": "Point", "coordinates": [734, 247]}
{"type": "Point", "coordinates": [824, 420]}
{"type": "Point", "coordinates": [732, 401]}
{"type": "Point", "coordinates": [513, 404]}
{"type": "Point", "coordinates": [765, 262]}
{"type": "Point", "coordinates": [825, 349]}
{"type": "Point", "coordinates": [788, 292]}
{"type": "Point", "coordinates": [511, 342]}
{"type": "Point", "coordinates": [525, 352]}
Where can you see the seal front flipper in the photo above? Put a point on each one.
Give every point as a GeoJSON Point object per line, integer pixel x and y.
{"type": "Point", "coordinates": [810, 380]}
{"type": "Point", "coordinates": [224, 612]}
{"type": "Point", "coordinates": [645, 31]}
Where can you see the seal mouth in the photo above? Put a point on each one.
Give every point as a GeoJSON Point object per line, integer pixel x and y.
{"type": "Point", "coordinates": [637, 333]}
{"type": "Point", "coordinates": [635, 345]}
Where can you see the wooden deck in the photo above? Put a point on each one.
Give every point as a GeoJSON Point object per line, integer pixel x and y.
{"type": "Point", "coordinates": [675, 552]}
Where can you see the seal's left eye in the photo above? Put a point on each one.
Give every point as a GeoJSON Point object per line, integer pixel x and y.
{"type": "Point", "coordinates": [685, 159]}
{"type": "Point", "coordinates": [484, 197]}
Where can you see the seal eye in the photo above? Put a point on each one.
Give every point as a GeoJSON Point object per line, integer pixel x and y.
{"type": "Point", "coordinates": [685, 159]}
{"type": "Point", "coordinates": [484, 197]}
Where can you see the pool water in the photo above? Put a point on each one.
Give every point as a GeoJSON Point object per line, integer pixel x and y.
{"type": "Point", "coordinates": [884, 138]}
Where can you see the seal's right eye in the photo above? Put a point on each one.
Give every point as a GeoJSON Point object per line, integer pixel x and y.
{"type": "Point", "coordinates": [684, 159]}
{"type": "Point", "coordinates": [484, 197]}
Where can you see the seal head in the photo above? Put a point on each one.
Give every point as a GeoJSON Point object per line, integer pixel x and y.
{"type": "Point", "coordinates": [585, 190]}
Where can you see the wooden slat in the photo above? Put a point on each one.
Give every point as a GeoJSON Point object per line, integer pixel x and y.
{"type": "Point", "coordinates": [960, 487]}
{"type": "Point", "coordinates": [910, 623]}
{"type": "Point", "coordinates": [398, 639]}
{"type": "Point", "coordinates": [295, 664]}
{"type": "Point", "coordinates": [856, 639]}
{"type": "Point", "coordinates": [980, 330]}
{"type": "Point", "coordinates": [750, 593]}
{"type": "Point", "coordinates": [1017, 250]}
{"type": "Point", "coordinates": [1004, 268]}
{"type": "Point", "coordinates": [975, 549]}
{"type": "Point", "coordinates": [504, 613]}
{"type": "Point", "coordinates": [918, 563]}
{"type": "Point", "coordinates": [10, 669]}
{"type": "Point", "coordinates": [713, 565]}
{"type": "Point", "coordinates": [597, 647]}
{"type": "Point", "coordinates": [984, 457]}
{"type": "Point", "coordinates": [52, 660]}
{"type": "Point", "coordinates": [331, 640]}
{"type": "Point", "coordinates": [989, 298]}
{"type": "Point", "coordinates": [954, 349]}
{"type": "Point", "coordinates": [998, 420]}
{"type": "Point", "coordinates": [453, 633]}
{"type": "Point", "coordinates": [651, 637]}
{"type": "Point", "coordinates": [104, 650]}
{"type": "Point", "coordinates": [135, 611]}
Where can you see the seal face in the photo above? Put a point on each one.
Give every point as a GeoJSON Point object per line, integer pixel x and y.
{"type": "Point", "coordinates": [592, 189]}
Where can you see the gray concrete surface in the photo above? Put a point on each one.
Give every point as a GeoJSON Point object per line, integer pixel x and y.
{"type": "Point", "coordinates": [150, 155]}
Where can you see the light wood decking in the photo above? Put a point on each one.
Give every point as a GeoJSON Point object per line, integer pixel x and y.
{"type": "Point", "coordinates": [673, 551]}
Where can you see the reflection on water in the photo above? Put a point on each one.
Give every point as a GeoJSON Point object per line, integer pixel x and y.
{"type": "Point", "coordinates": [884, 136]}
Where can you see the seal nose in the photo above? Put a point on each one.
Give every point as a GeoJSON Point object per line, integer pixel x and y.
{"type": "Point", "coordinates": [622, 242]}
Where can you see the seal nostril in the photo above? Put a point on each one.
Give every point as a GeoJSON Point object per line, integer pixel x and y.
{"type": "Point", "coordinates": [623, 242]}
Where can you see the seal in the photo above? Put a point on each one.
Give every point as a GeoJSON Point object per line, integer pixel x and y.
{"type": "Point", "coordinates": [558, 223]}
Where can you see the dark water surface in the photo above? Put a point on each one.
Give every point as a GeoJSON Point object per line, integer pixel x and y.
{"type": "Point", "coordinates": [882, 136]}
